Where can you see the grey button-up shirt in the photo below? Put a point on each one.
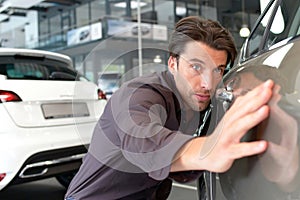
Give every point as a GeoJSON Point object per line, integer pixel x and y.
{"type": "Point", "coordinates": [135, 141]}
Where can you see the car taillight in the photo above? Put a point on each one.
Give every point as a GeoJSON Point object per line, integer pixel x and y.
{"type": "Point", "coordinates": [101, 94]}
{"type": "Point", "coordinates": [8, 96]}
{"type": "Point", "coordinates": [2, 176]}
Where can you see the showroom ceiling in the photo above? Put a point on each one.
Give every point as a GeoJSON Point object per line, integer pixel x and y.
{"type": "Point", "coordinates": [6, 5]}
{"type": "Point", "coordinates": [20, 7]}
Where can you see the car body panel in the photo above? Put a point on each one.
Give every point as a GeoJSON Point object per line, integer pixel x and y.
{"type": "Point", "coordinates": [36, 53]}
{"type": "Point", "coordinates": [71, 96]}
{"type": "Point", "coordinates": [247, 175]}
{"type": "Point", "coordinates": [274, 174]}
{"type": "Point", "coordinates": [28, 142]}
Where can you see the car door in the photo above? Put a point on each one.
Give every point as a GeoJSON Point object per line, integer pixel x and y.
{"type": "Point", "coordinates": [270, 52]}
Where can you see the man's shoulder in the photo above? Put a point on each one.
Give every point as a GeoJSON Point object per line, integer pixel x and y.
{"type": "Point", "coordinates": [157, 76]}
{"type": "Point", "coordinates": [160, 79]}
{"type": "Point", "coordinates": [151, 87]}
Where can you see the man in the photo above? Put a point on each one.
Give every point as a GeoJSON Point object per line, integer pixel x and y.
{"type": "Point", "coordinates": [146, 132]}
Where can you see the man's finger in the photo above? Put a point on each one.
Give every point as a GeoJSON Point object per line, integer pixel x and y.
{"type": "Point", "coordinates": [248, 149]}
{"type": "Point", "coordinates": [254, 99]}
{"type": "Point", "coordinates": [249, 121]}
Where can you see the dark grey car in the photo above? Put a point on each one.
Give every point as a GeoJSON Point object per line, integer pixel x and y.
{"type": "Point", "coordinates": [272, 51]}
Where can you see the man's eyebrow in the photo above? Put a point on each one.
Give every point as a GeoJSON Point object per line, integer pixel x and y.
{"type": "Point", "coordinates": [203, 62]}
{"type": "Point", "coordinates": [222, 65]}
{"type": "Point", "coordinates": [197, 60]}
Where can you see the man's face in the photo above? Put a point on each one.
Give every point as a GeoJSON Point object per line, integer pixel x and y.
{"type": "Point", "coordinates": [197, 73]}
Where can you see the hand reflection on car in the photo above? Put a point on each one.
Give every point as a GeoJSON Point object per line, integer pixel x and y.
{"type": "Point", "coordinates": [280, 163]}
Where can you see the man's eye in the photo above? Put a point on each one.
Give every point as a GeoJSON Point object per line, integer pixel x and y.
{"type": "Point", "coordinates": [196, 67]}
{"type": "Point", "coordinates": [219, 70]}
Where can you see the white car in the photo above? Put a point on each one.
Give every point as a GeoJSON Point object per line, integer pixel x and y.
{"type": "Point", "coordinates": [47, 113]}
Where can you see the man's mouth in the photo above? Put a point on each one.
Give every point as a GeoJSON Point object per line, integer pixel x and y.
{"type": "Point", "coordinates": [202, 97]}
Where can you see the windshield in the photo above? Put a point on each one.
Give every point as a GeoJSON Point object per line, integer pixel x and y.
{"type": "Point", "coordinates": [38, 70]}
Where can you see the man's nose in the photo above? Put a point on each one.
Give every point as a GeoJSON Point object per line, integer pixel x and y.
{"type": "Point", "coordinates": [206, 80]}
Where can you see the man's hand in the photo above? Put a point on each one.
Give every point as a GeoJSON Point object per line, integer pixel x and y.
{"type": "Point", "coordinates": [218, 151]}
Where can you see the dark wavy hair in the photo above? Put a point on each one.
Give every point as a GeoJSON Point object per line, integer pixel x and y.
{"type": "Point", "coordinates": [209, 32]}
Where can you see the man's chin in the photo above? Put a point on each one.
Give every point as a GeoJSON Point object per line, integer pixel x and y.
{"type": "Point", "coordinates": [200, 106]}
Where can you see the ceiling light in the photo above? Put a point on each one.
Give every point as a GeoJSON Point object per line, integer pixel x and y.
{"type": "Point", "coordinates": [157, 59]}
{"type": "Point", "coordinates": [133, 4]}
{"type": "Point", "coordinates": [181, 11]}
{"type": "Point", "coordinates": [244, 31]}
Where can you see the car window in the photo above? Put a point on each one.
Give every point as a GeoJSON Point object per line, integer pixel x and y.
{"type": "Point", "coordinates": [284, 26]}
{"type": "Point", "coordinates": [109, 82]}
{"type": "Point", "coordinates": [295, 27]}
{"type": "Point", "coordinates": [255, 39]}
{"type": "Point", "coordinates": [38, 70]}
{"type": "Point", "coordinates": [25, 71]}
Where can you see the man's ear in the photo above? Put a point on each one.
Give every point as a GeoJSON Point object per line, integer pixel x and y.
{"type": "Point", "coordinates": [172, 64]}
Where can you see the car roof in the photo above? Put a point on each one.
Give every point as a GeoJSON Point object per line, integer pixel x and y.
{"type": "Point", "coordinates": [35, 53]}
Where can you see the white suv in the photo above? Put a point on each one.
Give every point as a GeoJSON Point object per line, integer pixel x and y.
{"type": "Point", "coordinates": [47, 113]}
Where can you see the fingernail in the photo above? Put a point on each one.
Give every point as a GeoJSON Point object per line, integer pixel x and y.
{"type": "Point", "coordinates": [268, 83]}
{"type": "Point", "coordinates": [262, 144]}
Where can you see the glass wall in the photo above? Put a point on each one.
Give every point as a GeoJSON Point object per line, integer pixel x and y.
{"type": "Point", "coordinates": [43, 31]}
{"type": "Point", "coordinates": [82, 15]}
{"type": "Point", "coordinates": [97, 10]}
{"type": "Point", "coordinates": [55, 31]}
{"type": "Point", "coordinates": [112, 27]}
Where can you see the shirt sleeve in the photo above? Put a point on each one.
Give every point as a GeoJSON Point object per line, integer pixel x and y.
{"type": "Point", "coordinates": [146, 142]}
